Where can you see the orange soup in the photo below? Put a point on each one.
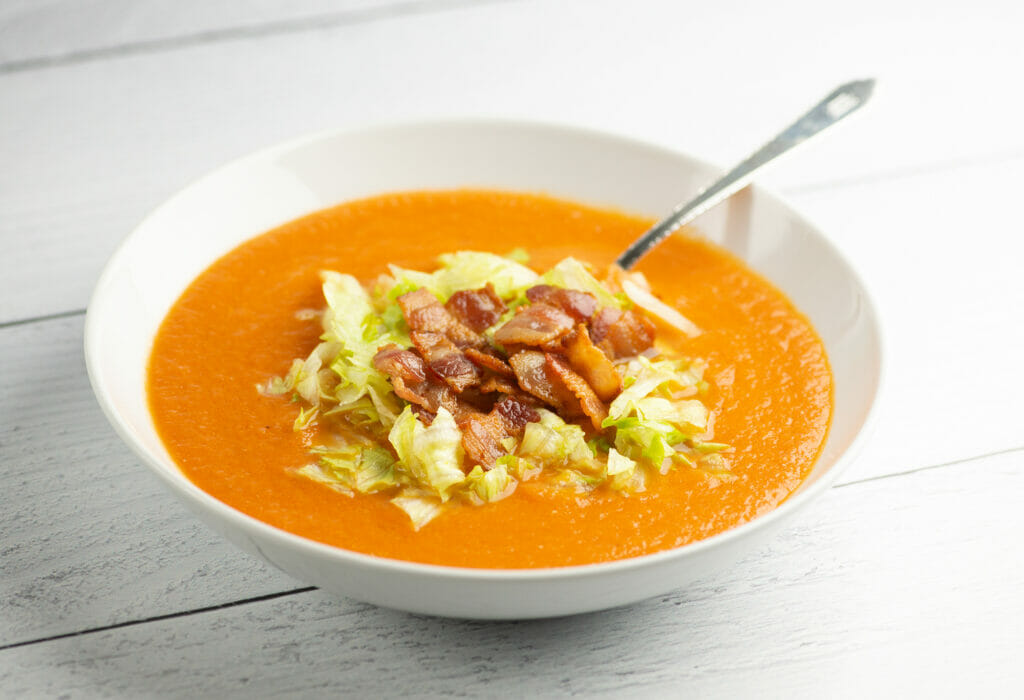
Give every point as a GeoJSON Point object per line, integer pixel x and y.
{"type": "Point", "coordinates": [238, 324]}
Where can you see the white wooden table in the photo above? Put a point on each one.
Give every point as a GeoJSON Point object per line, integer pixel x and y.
{"type": "Point", "coordinates": [907, 579]}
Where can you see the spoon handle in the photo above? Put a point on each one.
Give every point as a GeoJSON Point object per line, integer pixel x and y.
{"type": "Point", "coordinates": [842, 102]}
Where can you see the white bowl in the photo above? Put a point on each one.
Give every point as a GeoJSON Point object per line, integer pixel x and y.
{"type": "Point", "coordinates": [252, 195]}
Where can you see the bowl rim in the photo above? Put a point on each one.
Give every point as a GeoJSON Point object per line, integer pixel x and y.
{"type": "Point", "coordinates": [193, 496]}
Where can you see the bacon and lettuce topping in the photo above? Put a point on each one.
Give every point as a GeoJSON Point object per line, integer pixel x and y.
{"type": "Point", "coordinates": [458, 384]}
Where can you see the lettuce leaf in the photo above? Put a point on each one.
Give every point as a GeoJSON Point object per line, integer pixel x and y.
{"type": "Point", "coordinates": [492, 485]}
{"type": "Point", "coordinates": [465, 270]}
{"type": "Point", "coordinates": [419, 506]}
{"type": "Point", "coordinates": [623, 473]}
{"type": "Point", "coordinates": [649, 425]}
{"type": "Point", "coordinates": [552, 441]}
{"type": "Point", "coordinates": [431, 454]}
{"type": "Point", "coordinates": [362, 468]}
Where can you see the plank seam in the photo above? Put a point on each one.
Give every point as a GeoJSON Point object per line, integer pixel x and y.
{"type": "Point", "coordinates": [241, 33]}
{"type": "Point", "coordinates": [158, 618]}
{"type": "Point", "coordinates": [953, 463]}
{"type": "Point", "coordinates": [39, 319]}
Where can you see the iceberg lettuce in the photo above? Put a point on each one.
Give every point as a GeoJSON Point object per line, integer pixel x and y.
{"type": "Point", "coordinates": [419, 506]}
{"type": "Point", "coordinates": [465, 270]}
{"type": "Point", "coordinates": [432, 455]}
{"type": "Point", "coordinates": [652, 426]}
{"type": "Point", "coordinates": [492, 485]}
{"type": "Point", "coordinates": [553, 442]}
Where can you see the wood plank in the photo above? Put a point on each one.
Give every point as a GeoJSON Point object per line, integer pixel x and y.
{"type": "Point", "coordinates": [907, 586]}
{"type": "Point", "coordinates": [34, 33]}
{"type": "Point", "coordinates": [90, 148]}
{"type": "Point", "coordinates": [90, 538]}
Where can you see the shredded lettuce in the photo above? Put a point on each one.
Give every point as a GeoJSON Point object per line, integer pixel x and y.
{"type": "Point", "coordinates": [420, 507]}
{"type": "Point", "coordinates": [362, 468]}
{"type": "Point", "coordinates": [465, 270]}
{"type": "Point", "coordinates": [651, 420]}
{"type": "Point", "coordinates": [492, 485]}
{"type": "Point", "coordinates": [351, 324]}
{"type": "Point", "coordinates": [554, 442]}
{"type": "Point", "coordinates": [431, 454]}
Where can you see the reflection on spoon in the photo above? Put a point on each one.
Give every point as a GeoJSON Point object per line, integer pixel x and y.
{"type": "Point", "coordinates": [839, 104]}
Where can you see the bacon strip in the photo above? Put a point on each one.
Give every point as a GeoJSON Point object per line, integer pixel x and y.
{"type": "Point", "coordinates": [572, 382]}
{"type": "Point", "coordinates": [535, 325]}
{"type": "Point", "coordinates": [621, 333]}
{"type": "Point", "coordinates": [490, 362]}
{"type": "Point", "coordinates": [446, 360]}
{"type": "Point", "coordinates": [423, 312]}
{"type": "Point", "coordinates": [482, 434]}
{"type": "Point", "coordinates": [477, 309]}
{"type": "Point", "coordinates": [593, 365]}
{"type": "Point", "coordinates": [516, 413]}
{"type": "Point", "coordinates": [481, 439]}
{"type": "Point", "coordinates": [428, 395]}
{"type": "Point", "coordinates": [580, 305]}
{"type": "Point", "coordinates": [399, 362]}
{"type": "Point", "coordinates": [409, 377]}
{"type": "Point", "coordinates": [496, 384]}
{"type": "Point", "coordinates": [535, 378]}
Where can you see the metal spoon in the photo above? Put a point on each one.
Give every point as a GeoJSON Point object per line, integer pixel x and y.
{"type": "Point", "coordinates": [842, 102]}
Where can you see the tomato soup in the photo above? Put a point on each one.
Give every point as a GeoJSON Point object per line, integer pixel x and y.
{"type": "Point", "coordinates": [238, 324]}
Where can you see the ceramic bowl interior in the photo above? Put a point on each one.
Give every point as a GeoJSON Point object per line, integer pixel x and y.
{"type": "Point", "coordinates": [252, 195]}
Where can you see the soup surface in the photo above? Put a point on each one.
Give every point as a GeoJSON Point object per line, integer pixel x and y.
{"type": "Point", "coordinates": [237, 325]}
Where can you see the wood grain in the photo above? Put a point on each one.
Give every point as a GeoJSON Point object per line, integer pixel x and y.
{"type": "Point", "coordinates": [900, 585]}
{"type": "Point", "coordinates": [91, 147]}
{"type": "Point", "coordinates": [897, 583]}
{"type": "Point", "coordinates": [37, 34]}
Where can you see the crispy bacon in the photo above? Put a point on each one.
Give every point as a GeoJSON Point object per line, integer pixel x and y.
{"type": "Point", "coordinates": [482, 434]}
{"type": "Point", "coordinates": [490, 362]}
{"type": "Point", "coordinates": [535, 378]}
{"type": "Point", "coordinates": [534, 325]}
{"type": "Point", "coordinates": [423, 312]}
{"type": "Point", "coordinates": [516, 413]}
{"type": "Point", "coordinates": [593, 365]}
{"type": "Point", "coordinates": [481, 439]}
{"type": "Point", "coordinates": [560, 373]}
{"type": "Point", "coordinates": [496, 384]}
{"type": "Point", "coordinates": [398, 362]}
{"type": "Point", "coordinates": [412, 382]}
{"type": "Point", "coordinates": [477, 309]}
{"type": "Point", "coordinates": [429, 395]}
{"type": "Point", "coordinates": [446, 360]}
{"type": "Point", "coordinates": [580, 305]}
{"type": "Point", "coordinates": [531, 373]}
{"type": "Point", "coordinates": [621, 333]}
